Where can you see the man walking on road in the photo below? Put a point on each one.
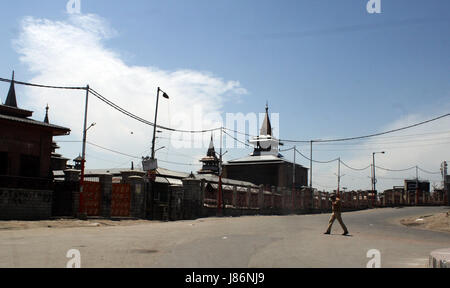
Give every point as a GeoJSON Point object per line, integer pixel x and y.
{"type": "Point", "coordinates": [337, 209]}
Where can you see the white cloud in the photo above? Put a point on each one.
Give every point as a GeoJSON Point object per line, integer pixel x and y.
{"type": "Point", "coordinates": [73, 53]}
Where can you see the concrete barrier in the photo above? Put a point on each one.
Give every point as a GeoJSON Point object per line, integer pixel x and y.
{"type": "Point", "coordinates": [440, 258]}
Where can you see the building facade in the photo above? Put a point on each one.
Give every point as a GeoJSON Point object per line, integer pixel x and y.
{"type": "Point", "coordinates": [26, 145]}
{"type": "Point", "coordinates": [266, 166]}
{"type": "Point", "coordinates": [26, 151]}
{"type": "Point", "coordinates": [417, 192]}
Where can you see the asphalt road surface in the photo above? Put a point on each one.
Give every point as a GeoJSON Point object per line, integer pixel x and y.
{"type": "Point", "coordinates": [254, 242]}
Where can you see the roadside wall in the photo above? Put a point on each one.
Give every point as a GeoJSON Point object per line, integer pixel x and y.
{"type": "Point", "coordinates": [20, 204]}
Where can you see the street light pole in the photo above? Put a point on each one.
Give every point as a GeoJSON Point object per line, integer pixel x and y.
{"type": "Point", "coordinates": [417, 186]}
{"type": "Point", "coordinates": [221, 201]}
{"type": "Point", "coordinates": [81, 206]}
{"type": "Point", "coordinates": [156, 118]}
{"type": "Point", "coordinates": [374, 180]}
{"type": "Point", "coordinates": [311, 165]}
{"type": "Point", "coordinates": [339, 178]}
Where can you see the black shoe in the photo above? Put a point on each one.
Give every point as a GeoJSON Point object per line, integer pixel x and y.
{"type": "Point", "coordinates": [345, 233]}
{"type": "Point", "coordinates": [327, 233]}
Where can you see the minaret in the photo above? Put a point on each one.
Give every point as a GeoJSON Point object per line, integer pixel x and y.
{"type": "Point", "coordinates": [11, 98]}
{"type": "Point", "coordinates": [266, 129]}
{"type": "Point", "coordinates": [265, 144]}
{"type": "Point", "coordinates": [46, 115]}
{"type": "Point", "coordinates": [211, 161]}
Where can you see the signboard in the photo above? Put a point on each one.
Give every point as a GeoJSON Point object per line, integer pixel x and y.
{"type": "Point", "coordinates": [149, 164]}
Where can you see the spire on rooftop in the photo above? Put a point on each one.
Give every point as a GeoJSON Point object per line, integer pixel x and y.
{"type": "Point", "coordinates": [211, 149]}
{"type": "Point", "coordinates": [46, 115]}
{"type": "Point", "coordinates": [211, 161]}
{"type": "Point", "coordinates": [266, 128]}
{"type": "Point", "coordinates": [11, 98]}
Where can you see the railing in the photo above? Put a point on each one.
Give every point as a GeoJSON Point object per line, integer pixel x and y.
{"type": "Point", "coordinates": [306, 200]}
{"type": "Point", "coordinates": [25, 183]}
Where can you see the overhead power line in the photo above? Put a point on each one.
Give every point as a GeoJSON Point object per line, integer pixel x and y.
{"type": "Point", "coordinates": [396, 170]}
{"type": "Point", "coordinates": [359, 169]}
{"type": "Point", "coordinates": [286, 150]}
{"type": "Point", "coordinates": [129, 114]}
{"type": "Point", "coordinates": [42, 86]}
{"type": "Point", "coordinates": [428, 172]}
{"type": "Point", "coordinates": [237, 140]}
{"type": "Point", "coordinates": [316, 161]}
{"type": "Point", "coordinates": [355, 169]}
{"type": "Point", "coordinates": [391, 138]}
{"type": "Point", "coordinates": [137, 157]}
{"type": "Point", "coordinates": [113, 151]}
{"type": "Point", "coordinates": [371, 135]}
{"type": "Point", "coordinates": [238, 132]}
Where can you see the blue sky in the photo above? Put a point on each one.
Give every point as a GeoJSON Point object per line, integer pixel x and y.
{"type": "Point", "coordinates": [328, 67]}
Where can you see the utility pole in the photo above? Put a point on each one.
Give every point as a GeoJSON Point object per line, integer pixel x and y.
{"type": "Point", "coordinates": [81, 208]}
{"type": "Point", "coordinates": [374, 177]}
{"type": "Point", "coordinates": [417, 185]}
{"type": "Point", "coordinates": [220, 202]}
{"type": "Point", "coordinates": [371, 176]}
{"type": "Point", "coordinates": [156, 118]}
{"type": "Point", "coordinates": [293, 168]}
{"type": "Point", "coordinates": [311, 165]}
{"type": "Point", "coordinates": [293, 177]}
{"type": "Point", "coordinates": [374, 181]}
{"type": "Point", "coordinates": [339, 177]}
{"type": "Point", "coordinates": [155, 127]}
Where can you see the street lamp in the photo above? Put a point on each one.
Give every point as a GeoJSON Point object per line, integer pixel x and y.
{"type": "Point", "coordinates": [92, 125]}
{"type": "Point", "coordinates": [374, 179]}
{"type": "Point", "coordinates": [156, 118]}
{"type": "Point", "coordinates": [159, 149]}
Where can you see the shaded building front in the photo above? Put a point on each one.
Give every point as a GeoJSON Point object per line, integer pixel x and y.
{"type": "Point", "coordinates": [26, 145]}
{"type": "Point", "coordinates": [266, 166]}
{"type": "Point", "coordinates": [26, 148]}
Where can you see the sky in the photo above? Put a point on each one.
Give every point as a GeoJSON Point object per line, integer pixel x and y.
{"type": "Point", "coordinates": [328, 69]}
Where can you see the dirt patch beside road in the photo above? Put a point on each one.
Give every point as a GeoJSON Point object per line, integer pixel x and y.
{"type": "Point", "coordinates": [67, 223]}
{"type": "Point", "coordinates": [438, 222]}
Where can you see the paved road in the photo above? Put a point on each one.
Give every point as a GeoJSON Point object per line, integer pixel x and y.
{"type": "Point", "coordinates": [256, 242]}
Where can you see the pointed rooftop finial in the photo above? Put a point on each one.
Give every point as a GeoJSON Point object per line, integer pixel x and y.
{"type": "Point", "coordinates": [211, 150]}
{"type": "Point", "coordinates": [211, 144]}
{"type": "Point", "coordinates": [46, 115]}
{"type": "Point", "coordinates": [11, 98]}
{"type": "Point", "coordinates": [266, 128]}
